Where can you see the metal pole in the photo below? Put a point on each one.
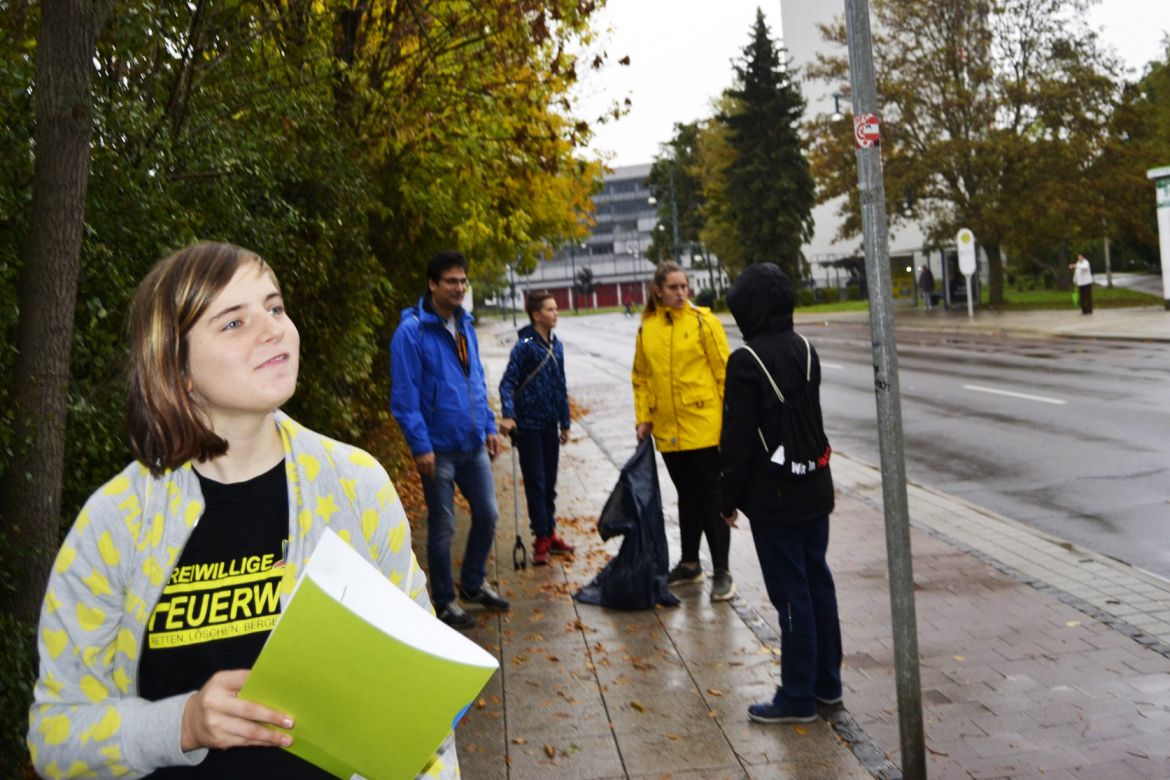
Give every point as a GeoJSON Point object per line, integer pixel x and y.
{"type": "Point", "coordinates": [1108, 266]}
{"type": "Point", "coordinates": [512, 291]}
{"type": "Point", "coordinates": [573, 279]}
{"type": "Point", "coordinates": [887, 390]}
{"type": "Point", "coordinates": [946, 282]}
{"type": "Point", "coordinates": [674, 212]}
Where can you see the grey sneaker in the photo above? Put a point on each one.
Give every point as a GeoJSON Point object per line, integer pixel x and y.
{"type": "Point", "coordinates": [684, 574]}
{"type": "Point", "coordinates": [455, 616]}
{"type": "Point", "coordinates": [486, 598]}
{"type": "Point", "coordinates": [724, 587]}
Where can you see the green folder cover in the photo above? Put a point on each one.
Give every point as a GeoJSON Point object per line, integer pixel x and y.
{"type": "Point", "coordinates": [374, 682]}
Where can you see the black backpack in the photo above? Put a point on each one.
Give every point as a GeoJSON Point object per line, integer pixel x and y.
{"type": "Point", "coordinates": [793, 435]}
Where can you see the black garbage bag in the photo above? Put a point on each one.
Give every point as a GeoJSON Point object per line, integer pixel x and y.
{"type": "Point", "coordinates": [636, 577]}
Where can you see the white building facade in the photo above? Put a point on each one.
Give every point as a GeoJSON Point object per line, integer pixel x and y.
{"type": "Point", "coordinates": [625, 218]}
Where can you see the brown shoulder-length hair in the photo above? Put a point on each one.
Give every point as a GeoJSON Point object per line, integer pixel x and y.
{"type": "Point", "coordinates": [663, 270]}
{"type": "Point", "coordinates": [166, 426]}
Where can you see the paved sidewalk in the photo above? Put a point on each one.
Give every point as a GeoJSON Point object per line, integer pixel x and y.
{"type": "Point", "coordinates": [585, 692]}
{"type": "Point", "coordinates": [1038, 659]}
{"type": "Point", "coordinates": [1143, 323]}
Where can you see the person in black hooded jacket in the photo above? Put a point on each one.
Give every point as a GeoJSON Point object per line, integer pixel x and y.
{"type": "Point", "coordinates": [789, 517]}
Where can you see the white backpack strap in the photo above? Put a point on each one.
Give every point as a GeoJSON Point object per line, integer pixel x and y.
{"type": "Point", "coordinates": [771, 381]}
{"type": "Point", "coordinates": [807, 360]}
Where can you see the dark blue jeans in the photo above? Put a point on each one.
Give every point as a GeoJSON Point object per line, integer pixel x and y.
{"type": "Point", "coordinates": [472, 472]}
{"type": "Point", "coordinates": [539, 449]}
{"type": "Point", "coordinates": [800, 585]}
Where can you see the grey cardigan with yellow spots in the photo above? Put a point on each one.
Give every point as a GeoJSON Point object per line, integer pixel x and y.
{"type": "Point", "coordinates": [87, 718]}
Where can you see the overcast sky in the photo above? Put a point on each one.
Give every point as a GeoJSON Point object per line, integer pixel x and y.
{"type": "Point", "coordinates": [681, 53]}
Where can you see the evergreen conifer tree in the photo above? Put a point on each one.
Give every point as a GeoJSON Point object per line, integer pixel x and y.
{"type": "Point", "coordinates": [770, 191]}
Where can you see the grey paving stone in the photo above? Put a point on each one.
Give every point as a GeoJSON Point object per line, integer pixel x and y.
{"type": "Point", "coordinates": [576, 758]}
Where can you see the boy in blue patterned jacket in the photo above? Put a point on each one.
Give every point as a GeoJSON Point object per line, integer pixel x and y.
{"type": "Point", "coordinates": [535, 403]}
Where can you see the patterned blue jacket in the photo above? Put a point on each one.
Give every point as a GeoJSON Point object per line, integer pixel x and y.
{"type": "Point", "coordinates": [543, 400]}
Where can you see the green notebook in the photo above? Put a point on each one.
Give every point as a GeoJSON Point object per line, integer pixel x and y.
{"type": "Point", "coordinates": [373, 681]}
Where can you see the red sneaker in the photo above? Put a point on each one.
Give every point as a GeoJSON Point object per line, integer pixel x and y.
{"type": "Point", "coordinates": [540, 551]}
{"type": "Point", "coordinates": [558, 546]}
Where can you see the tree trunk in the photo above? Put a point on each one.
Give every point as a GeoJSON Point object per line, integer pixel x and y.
{"type": "Point", "coordinates": [31, 507]}
{"type": "Point", "coordinates": [994, 273]}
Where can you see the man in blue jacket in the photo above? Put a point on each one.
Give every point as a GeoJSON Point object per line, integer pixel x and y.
{"type": "Point", "coordinates": [439, 398]}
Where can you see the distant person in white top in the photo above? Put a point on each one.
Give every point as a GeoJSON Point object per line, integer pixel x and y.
{"type": "Point", "coordinates": [1083, 279]}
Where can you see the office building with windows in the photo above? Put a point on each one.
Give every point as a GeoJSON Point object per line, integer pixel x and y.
{"type": "Point", "coordinates": [613, 257]}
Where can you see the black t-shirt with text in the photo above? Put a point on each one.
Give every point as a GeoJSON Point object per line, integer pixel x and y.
{"type": "Point", "coordinates": [217, 609]}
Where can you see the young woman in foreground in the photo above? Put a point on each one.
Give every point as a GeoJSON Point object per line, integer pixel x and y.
{"type": "Point", "coordinates": [175, 571]}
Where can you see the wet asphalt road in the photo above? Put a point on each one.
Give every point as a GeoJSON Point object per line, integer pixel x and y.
{"type": "Point", "coordinates": [1069, 436]}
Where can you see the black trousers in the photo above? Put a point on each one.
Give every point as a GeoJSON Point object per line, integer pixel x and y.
{"type": "Point", "coordinates": [695, 474]}
{"type": "Point", "coordinates": [1086, 292]}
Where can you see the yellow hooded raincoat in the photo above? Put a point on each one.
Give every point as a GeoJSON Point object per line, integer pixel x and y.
{"type": "Point", "coordinates": [680, 361]}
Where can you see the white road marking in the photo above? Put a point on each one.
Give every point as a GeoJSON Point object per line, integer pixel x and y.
{"type": "Point", "coordinates": [1025, 396]}
{"type": "Point", "coordinates": [836, 366]}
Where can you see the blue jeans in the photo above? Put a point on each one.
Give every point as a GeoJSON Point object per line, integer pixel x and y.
{"type": "Point", "coordinates": [472, 472]}
{"type": "Point", "coordinates": [800, 585]}
{"type": "Point", "coordinates": [539, 450]}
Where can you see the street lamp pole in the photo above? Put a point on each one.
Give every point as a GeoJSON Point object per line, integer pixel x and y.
{"type": "Point", "coordinates": [512, 291]}
{"type": "Point", "coordinates": [674, 210]}
{"type": "Point", "coordinates": [573, 272]}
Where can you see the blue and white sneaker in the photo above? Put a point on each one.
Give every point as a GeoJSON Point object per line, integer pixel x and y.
{"type": "Point", "coordinates": [781, 712]}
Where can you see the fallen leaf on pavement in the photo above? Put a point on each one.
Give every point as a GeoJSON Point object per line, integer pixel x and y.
{"type": "Point", "coordinates": [550, 751]}
{"type": "Point", "coordinates": [479, 705]}
{"type": "Point", "coordinates": [637, 705]}
{"type": "Point", "coordinates": [800, 731]}
{"type": "Point", "coordinates": [714, 691]}
{"type": "Point", "coordinates": [519, 741]}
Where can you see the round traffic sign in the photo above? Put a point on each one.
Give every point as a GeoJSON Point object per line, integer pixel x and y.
{"type": "Point", "coordinates": [866, 130]}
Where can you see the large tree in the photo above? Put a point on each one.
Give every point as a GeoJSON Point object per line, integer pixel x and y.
{"type": "Point", "coordinates": [30, 507]}
{"type": "Point", "coordinates": [991, 114]}
{"type": "Point", "coordinates": [675, 184]}
{"type": "Point", "coordinates": [718, 232]}
{"type": "Point", "coordinates": [1139, 139]}
{"type": "Point", "coordinates": [769, 191]}
{"type": "Point", "coordinates": [345, 141]}
{"type": "Point", "coordinates": [47, 292]}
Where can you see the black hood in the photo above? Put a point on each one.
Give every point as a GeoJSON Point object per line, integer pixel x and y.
{"type": "Point", "coordinates": [762, 300]}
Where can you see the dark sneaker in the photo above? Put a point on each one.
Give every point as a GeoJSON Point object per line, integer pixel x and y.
{"type": "Point", "coordinates": [486, 598]}
{"type": "Point", "coordinates": [724, 587]}
{"type": "Point", "coordinates": [684, 574]}
{"type": "Point", "coordinates": [558, 546]}
{"type": "Point", "coordinates": [455, 616]}
{"type": "Point", "coordinates": [780, 712]}
{"type": "Point", "coordinates": [540, 550]}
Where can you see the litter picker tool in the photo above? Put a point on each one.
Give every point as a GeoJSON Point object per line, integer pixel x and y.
{"type": "Point", "coordinates": [519, 551]}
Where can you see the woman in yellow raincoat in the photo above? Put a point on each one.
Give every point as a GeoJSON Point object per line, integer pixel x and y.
{"type": "Point", "coordinates": [680, 360]}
